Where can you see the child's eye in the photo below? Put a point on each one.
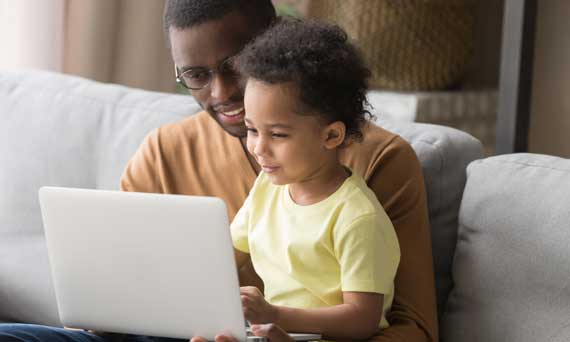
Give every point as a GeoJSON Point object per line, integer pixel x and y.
{"type": "Point", "coordinates": [279, 135]}
{"type": "Point", "coordinates": [251, 130]}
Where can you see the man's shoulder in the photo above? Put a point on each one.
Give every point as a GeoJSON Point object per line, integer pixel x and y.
{"type": "Point", "coordinates": [376, 138]}
{"type": "Point", "coordinates": [191, 125]}
{"type": "Point", "coordinates": [192, 130]}
{"type": "Point", "coordinates": [379, 146]}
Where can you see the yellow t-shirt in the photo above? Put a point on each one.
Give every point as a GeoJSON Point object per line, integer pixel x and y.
{"type": "Point", "coordinates": [308, 255]}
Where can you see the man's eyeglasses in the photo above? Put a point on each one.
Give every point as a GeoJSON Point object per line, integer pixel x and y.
{"type": "Point", "coordinates": [198, 77]}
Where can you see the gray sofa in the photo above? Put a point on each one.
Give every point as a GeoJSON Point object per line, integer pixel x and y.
{"type": "Point", "coordinates": [500, 226]}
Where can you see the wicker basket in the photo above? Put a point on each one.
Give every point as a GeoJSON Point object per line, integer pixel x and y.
{"type": "Point", "coordinates": [410, 45]}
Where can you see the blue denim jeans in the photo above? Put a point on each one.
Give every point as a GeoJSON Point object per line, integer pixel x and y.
{"type": "Point", "coordinates": [39, 333]}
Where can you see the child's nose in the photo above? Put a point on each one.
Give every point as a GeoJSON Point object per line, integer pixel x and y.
{"type": "Point", "coordinates": [260, 147]}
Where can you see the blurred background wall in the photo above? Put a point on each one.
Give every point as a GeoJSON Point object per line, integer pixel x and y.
{"type": "Point", "coordinates": [31, 34]}
{"type": "Point", "coordinates": [122, 41]}
{"type": "Point", "coordinates": [483, 71]}
{"type": "Point", "coordinates": [117, 41]}
{"type": "Point", "coordinates": [550, 106]}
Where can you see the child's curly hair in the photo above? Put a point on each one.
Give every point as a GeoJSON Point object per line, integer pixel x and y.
{"type": "Point", "coordinates": [328, 70]}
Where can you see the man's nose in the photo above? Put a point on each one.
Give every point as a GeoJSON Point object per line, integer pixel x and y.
{"type": "Point", "coordinates": [222, 88]}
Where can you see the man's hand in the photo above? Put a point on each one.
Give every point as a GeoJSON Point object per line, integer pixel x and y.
{"type": "Point", "coordinates": [255, 308]}
{"type": "Point", "coordinates": [272, 332]}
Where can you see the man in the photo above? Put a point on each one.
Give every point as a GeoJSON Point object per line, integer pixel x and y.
{"type": "Point", "coordinates": [205, 155]}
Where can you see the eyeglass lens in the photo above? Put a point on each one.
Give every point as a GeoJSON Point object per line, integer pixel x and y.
{"type": "Point", "coordinates": [198, 78]}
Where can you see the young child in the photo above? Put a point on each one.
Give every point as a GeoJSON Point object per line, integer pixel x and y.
{"type": "Point", "coordinates": [316, 234]}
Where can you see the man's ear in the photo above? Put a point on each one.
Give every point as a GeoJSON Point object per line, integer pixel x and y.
{"type": "Point", "coordinates": [334, 135]}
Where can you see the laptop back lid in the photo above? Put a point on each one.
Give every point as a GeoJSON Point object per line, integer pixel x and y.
{"type": "Point", "coordinates": [147, 264]}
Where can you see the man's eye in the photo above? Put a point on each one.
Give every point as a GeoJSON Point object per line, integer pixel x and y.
{"type": "Point", "coordinates": [197, 76]}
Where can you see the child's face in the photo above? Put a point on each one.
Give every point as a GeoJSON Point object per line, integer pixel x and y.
{"type": "Point", "coordinates": [290, 148]}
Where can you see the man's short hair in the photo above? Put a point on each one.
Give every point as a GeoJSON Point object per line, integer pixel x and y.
{"type": "Point", "coordinates": [183, 14]}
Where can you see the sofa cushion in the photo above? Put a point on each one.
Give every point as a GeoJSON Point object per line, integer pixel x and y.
{"type": "Point", "coordinates": [511, 268]}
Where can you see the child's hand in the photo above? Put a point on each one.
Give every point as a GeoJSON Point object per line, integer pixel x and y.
{"type": "Point", "coordinates": [255, 308]}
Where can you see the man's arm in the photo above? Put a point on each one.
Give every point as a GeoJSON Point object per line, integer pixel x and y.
{"type": "Point", "coordinates": [398, 183]}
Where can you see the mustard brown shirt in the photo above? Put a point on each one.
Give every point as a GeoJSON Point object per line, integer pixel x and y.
{"type": "Point", "coordinates": [196, 156]}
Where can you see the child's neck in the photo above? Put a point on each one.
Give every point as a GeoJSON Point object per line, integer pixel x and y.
{"type": "Point", "coordinates": [320, 185]}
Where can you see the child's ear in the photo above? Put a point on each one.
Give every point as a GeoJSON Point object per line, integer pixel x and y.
{"type": "Point", "coordinates": [334, 134]}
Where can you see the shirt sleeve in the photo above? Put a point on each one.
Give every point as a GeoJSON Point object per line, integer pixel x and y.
{"type": "Point", "coordinates": [240, 227]}
{"type": "Point", "coordinates": [141, 174]}
{"type": "Point", "coordinates": [368, 253]}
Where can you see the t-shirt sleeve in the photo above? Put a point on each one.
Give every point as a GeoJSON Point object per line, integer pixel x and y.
{"type": "Point", "coordinates": [368, 253]}
{"type": "Point", "coordinates": [239, 227]}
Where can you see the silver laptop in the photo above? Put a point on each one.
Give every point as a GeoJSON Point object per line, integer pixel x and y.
{"type": "Point", "coordinates": [147, 264]}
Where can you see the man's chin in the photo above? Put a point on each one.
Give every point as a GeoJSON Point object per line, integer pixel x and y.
{"type": "Point", "coordinates": [237, 130]}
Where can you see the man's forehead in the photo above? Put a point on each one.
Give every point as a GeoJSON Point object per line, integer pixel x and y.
{"type": "Point", "coordinates": [209, 43]}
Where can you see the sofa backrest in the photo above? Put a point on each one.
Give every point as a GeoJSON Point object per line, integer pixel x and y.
{"type": "Point", "coordinates": [66, 131]}
{"type": "Point", "coordinates": [512, 263]}
{"type": "Point", "coordinates": [62, 131]}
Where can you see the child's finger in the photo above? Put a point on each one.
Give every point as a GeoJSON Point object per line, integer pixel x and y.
{"type": "Point", "coordinates": [259, 330]}
{"type": "Point", "coordinates": [198, 339]}
{"type": "Point", "coordinates": [249, 290]}
{"type": "Point", "coordinates": [224, 338]}
{"type": "Point", "coordinates": [245, 300]}
{"type": "Point", "coordinates": [273, 332]}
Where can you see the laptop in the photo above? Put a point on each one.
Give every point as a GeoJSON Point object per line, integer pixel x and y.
{"type": "Point", "coordinates": [145, 264]}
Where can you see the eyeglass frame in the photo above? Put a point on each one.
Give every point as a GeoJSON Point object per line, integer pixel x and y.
{"type": "Point", "coordinates": [219, 70]}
